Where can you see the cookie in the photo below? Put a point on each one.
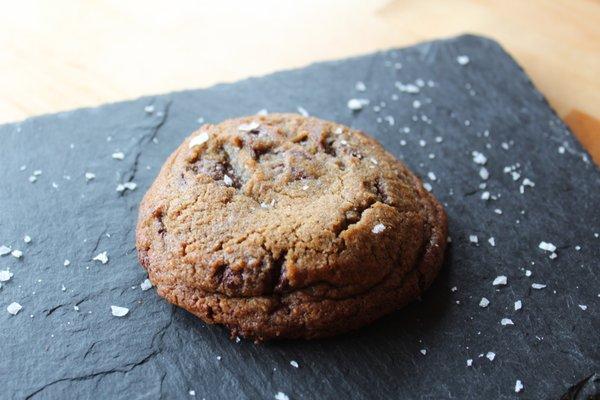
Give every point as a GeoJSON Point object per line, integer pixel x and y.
{"type": "Point", "coordinates": [284, 226]}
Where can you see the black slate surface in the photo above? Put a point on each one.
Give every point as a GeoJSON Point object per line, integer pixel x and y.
{"type": "Point", "coordinates": [51, 350]}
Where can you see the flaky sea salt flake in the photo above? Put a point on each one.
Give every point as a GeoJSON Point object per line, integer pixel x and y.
{"type": "Point", "coordinates": [281, 396]}
{"type": "Point", "coordinates": [407, 88]}
{"type": "Point", "coordinates": [126, 186]}
{"type": "Point", "coordinates": [479, 158]}
{"type": "Point", "coordinates": [14, 308]}
{"type": "Point", "coordinates": [119, 311]}
{"type": "Point", "coordinates": [302, 111]}
{"type": "Point", "coordinates": [518, 386]}
{"type": "Point", "coordinates": [484, 302]}
{"type": "Point", "coordinates": [500, 280]}
{"type": "Point", "coordinates": [378, 228]}
{"type": "Point", "coordinates": [484, 173]}
{"type": "Point", "coordinates": [547, 246]}
{"type": "Point", "coordinates": [538, 286]}
{"type": "Point", "coordinates": [102, 257]}
{"type": "Point", "coordinates": [4, 250]}
{"type": "Point", "coordinates": [249, 127]}
{"type": "Point", "coordinates": [462, 60]}
{"type": "Point", "coordinates": [357, 104]}
{"type": "Point", "coordinates": [146, 284]}
{"type": "Point", "coordinates": [528, 182]}
{"type": "Point", "coordinates": [518, 305]}
{"type": "Point", "coordinates": [199, 140]}
{"type": "Point", "coordinates": [5, 276]}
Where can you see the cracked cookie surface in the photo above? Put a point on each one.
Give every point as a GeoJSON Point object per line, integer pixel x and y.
{"type": "Point", "coordinates": [288, 226]}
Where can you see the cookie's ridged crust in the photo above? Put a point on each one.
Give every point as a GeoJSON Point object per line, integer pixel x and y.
{"type": "Point", "coordinates": [306, 265]}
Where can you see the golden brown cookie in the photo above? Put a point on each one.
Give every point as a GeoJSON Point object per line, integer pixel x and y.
{"type": "Point", "coordinates": [288, 226]}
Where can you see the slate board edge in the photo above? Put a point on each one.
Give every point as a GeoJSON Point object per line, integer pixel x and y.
{"type": "Point", "coordinates": [467, 36]}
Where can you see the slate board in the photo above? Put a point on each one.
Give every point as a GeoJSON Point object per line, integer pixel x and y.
{"type": "Point", "coordinates": [50, 350]}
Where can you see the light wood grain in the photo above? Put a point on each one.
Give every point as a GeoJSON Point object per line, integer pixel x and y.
{"type": "Point", "coordinates": [63, 54]}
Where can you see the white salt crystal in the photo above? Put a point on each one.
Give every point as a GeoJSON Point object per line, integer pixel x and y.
{"type": "Point", "coordinates": [146, 284]}
{"type": "Point", "coordinates": [462, 59]}
{"type": "Point", "coordinates": [518, 305]}
{"type": "Point", "coordinates": [378, 228]}
{"type": "Point", "coordinates": [547, 246]}
{"type": "Point", "coordinates": [357, 104]}
{"type": "Point", "coordinates": [518, 386]}
{"type": "Point", "coordinates": [479, 158]}
{"type": "Point", "coordinates": [281, 396]}
{"type": "Point", "coordinates": [500, 280]}
{"type": "Point", "coordinates": [102, 257]}
{"type": "Point", "coordinates": [484, 302]}
{"type": "Point", "coordinates": [119, 311]}
{"type": "Point", "coordinates": [484, 173]}
{"type": "Point", "coordinates": [538, 286]}
{"type": "Point", "coordinates": [5, 276]}
{"type": "Point", "coordinates": [13, 308]}
{"type": "Point", "coordinates": [198, 140]}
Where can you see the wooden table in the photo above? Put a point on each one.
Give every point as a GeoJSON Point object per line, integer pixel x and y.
{"type": "Point", "coordinates": [63, 54]}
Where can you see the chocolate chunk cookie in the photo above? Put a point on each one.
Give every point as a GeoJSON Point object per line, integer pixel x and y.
{"type": "Point", "coordinates": [284, 226]}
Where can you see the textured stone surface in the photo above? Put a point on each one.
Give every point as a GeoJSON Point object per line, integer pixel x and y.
{"type": "Point", "coordinates": [156, 350]}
